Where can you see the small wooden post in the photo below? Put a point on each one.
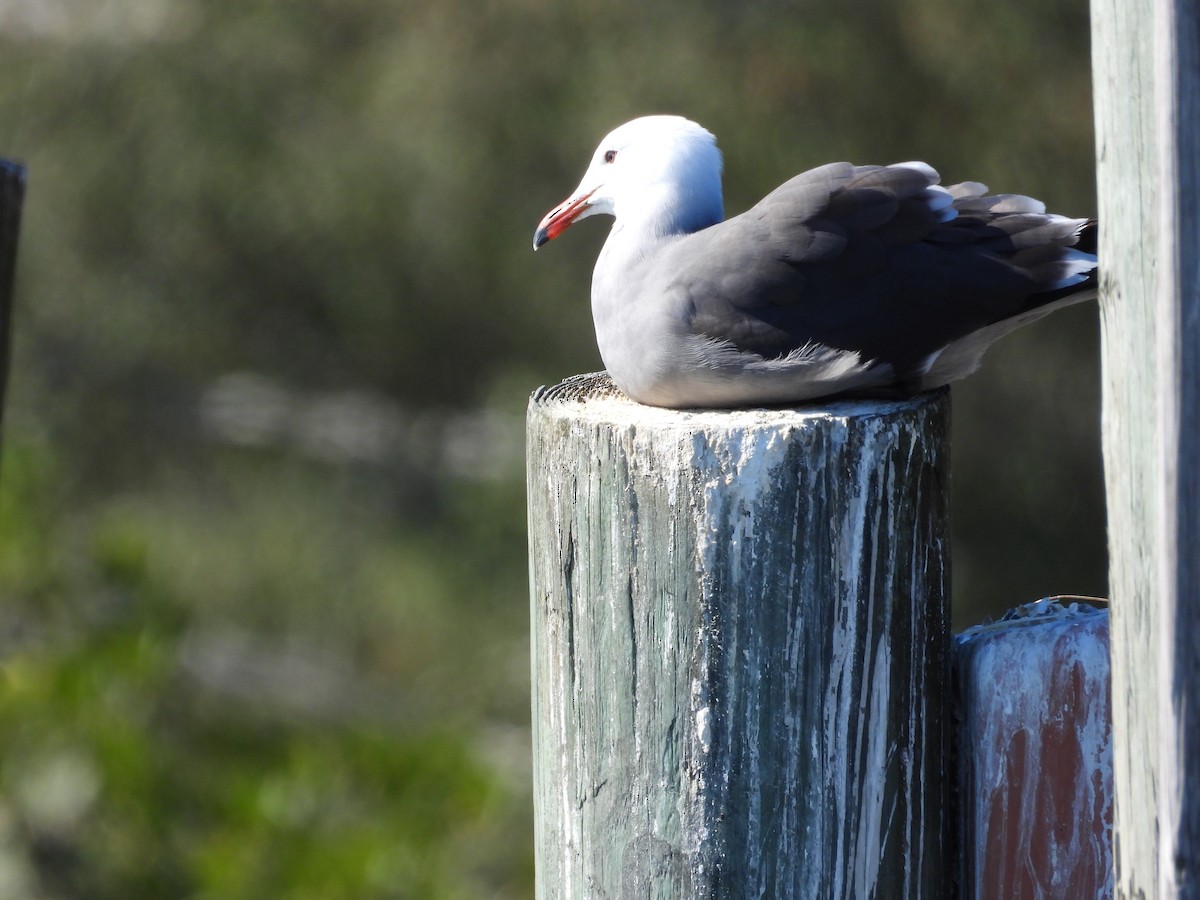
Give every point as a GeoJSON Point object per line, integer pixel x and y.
{"type": "Point", "coordinates": [12, 194]}
{"type": "Point", "coordinates": [1035, 754]}
{"type": "Point", "coordinates": [740, 648]}
{"type": "Point", "coordinates": [1146, 62]}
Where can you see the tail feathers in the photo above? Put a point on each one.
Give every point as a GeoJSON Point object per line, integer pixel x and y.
{"type": "Point", "coordinates": [1057, 268]}
{"type": "Point", "coordinates": [1088, 236]}
{"type": "Point", "coordinates": [960, 358]}
{"type": "Point", "coordinates": [1057, 253]}
{"type": "Point", "coordinates": [1023, 230]}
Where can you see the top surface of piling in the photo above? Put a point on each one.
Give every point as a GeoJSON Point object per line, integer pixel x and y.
{"type": "Point", "coordinates": [593, 396]}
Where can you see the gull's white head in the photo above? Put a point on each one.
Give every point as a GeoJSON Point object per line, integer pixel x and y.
{"type": "Point", "coordinates": [661, 172]}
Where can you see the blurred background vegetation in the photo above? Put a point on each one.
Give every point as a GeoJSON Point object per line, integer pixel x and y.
{"type": "Point", "coordinates": [262, 565]}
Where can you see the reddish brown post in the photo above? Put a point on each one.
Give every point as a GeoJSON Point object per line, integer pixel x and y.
{"type": "Point", "coordinates": [1035, 754]}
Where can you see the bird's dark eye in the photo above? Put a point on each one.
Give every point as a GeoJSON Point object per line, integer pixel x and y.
{"type": "Point", "coordinates": [610, 155]}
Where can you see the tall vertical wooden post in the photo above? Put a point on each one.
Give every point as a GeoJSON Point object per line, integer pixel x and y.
{"type": "Point", "coordinates": [1146, 62]}
{"type": "Point", "coordinates": [12, 195]}
{"type": "Point", "coordinates": [740, 648]}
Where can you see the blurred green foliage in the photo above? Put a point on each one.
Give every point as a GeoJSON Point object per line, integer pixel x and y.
{"type": "Point", "coordinates": [266, 636]}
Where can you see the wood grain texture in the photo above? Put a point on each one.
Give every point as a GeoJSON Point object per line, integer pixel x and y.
{"type": "Point", "coordinates": [740, 648]}
{"type": "Point", "coordinates": [1035, 755]}
{"type": "Point", "coordinates": [1146, 62]}
{"type": "Point", "coordinates": [12, 196]}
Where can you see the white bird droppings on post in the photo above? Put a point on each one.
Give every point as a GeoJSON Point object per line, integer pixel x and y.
{"type": "Point", "coordinates": [704, 728]}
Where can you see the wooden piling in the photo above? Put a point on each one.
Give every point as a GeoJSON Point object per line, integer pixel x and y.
{"type": "Point", "coordinates": [1034, 755]}
{"type": "Point", "coordinates": [1146, 68]}
{"type": "Point", "coordinates": [740, 648]}
{"type": "Point", "coordinates": [12, 196]}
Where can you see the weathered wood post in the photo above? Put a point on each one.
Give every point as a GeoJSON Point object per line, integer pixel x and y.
{"type": "Point", "coordinates": [1146, 63]}
{"type": "Point", "coordinates": [12, 195]}
{"type": "Point", "coordinates": [1034, 754]}
{"type": "Point", "coordinates": [740, 648]}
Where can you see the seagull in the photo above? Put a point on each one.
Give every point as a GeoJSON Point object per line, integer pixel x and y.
{"type": "Point", "coordinates": [844, 281]}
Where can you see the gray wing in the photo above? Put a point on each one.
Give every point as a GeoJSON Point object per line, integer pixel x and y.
{"type": "Point", "coordinates": [880, 260]}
